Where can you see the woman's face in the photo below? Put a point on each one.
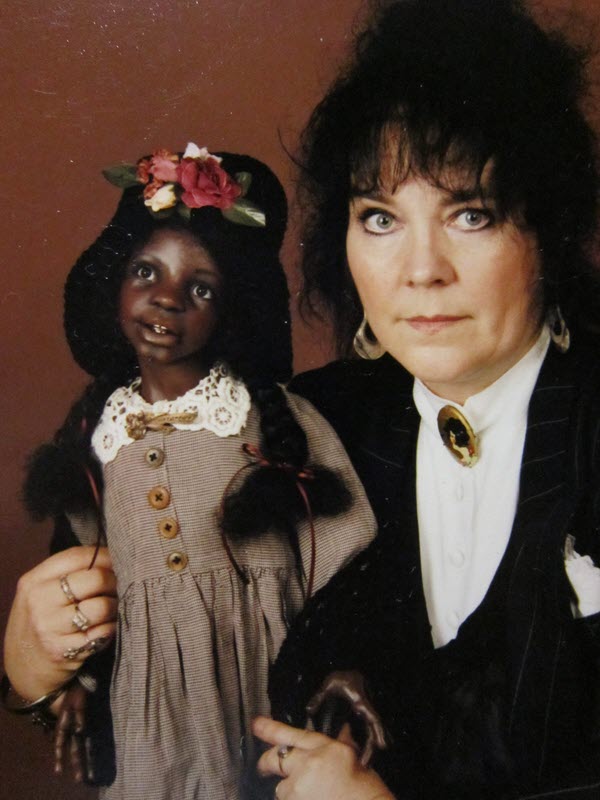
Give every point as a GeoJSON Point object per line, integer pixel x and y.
{"type": "Point", "coordinates": [451, 292]}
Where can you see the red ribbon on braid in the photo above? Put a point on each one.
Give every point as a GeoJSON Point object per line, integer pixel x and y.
{"type": "Point", "coordinates": [299, 475]}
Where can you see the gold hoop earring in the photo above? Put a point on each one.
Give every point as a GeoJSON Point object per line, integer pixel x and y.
{"type": "Point", "coordinates": [559, 333]}
{"type": "Point", "coordinates": [365, 343]}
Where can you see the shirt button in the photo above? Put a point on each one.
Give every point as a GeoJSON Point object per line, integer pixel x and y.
{"type": "Point", "coordinates": [457, 558]}
{"type": "Point", "coordinates": [159, 497]}
{"type": "Point", "coordinates": [154, 457]}
{"type": "Point", "coordinates": [177, 561]}
{"type": "Point", "coordinates": [168, 528]}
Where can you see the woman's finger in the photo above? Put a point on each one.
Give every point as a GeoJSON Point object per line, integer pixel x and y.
{"type": "Point", "coordinates": [88, 613]}
{"type": "Point", "coordinates": [67, 561]}
{"type": "Point", "coordinates": [83, 584]}
{"type": "Point", "coordinates": [289, 744]}
{"type": "Point", "coordinates": [278, 733]}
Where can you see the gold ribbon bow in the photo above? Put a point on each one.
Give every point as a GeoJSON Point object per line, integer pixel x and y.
{"type": "Point", "coordinates": [138, 422]}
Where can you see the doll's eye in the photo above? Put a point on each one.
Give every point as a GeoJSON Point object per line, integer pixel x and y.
{"type": "Point", "coordinates": [143, 271]}
{"type": "Point", "coordinates": [202, 291]}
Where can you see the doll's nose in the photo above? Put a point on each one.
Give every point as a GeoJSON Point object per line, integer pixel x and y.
{"type": "Point", "coordinates": [169, 298]}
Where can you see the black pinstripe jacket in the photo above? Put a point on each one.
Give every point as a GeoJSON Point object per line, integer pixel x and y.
{"type": "Point", "coordinates": [511, 708]}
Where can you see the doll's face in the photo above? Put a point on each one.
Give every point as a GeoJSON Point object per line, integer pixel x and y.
{"type": "Point", "coordinates": [168, 305]}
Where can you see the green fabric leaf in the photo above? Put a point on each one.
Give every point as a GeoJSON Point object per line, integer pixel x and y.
{"type": "Point", "coordinates": [243, 212]}
{"type": "Point", "coordinates": [184, 211]}
{"type": "Point", "coordinates": [122, 175]}
{"type": "Point", "coordinates": [164, 213]}
{"type": "Point", "coordinates": [244, 179]}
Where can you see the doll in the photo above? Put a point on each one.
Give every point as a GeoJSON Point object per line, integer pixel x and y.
{"type": "Point", "coordinates": [224, 500]}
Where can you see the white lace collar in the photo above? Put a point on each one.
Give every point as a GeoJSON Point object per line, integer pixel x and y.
{"type": "Point", "coordinates": [219, 403]}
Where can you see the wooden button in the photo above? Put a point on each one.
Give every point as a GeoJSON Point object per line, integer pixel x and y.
{"type": "Point", "coordinates": [168, 528]}
{"type": "Point", "coordinates": [159, 497]}
{"type": "Point", "coordinates": [154, 457]}
{"type": "Point", "coordinates": [177, 561]}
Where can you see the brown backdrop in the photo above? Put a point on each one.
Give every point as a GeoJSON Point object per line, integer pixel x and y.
{"type": "Point", "coordinates": [86, 83]}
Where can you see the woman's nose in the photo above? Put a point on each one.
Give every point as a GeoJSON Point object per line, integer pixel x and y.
{"type": "Point", "coordinates": [427, 259]}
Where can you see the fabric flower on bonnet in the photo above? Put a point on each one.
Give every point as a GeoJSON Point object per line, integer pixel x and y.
{"type": "Point", "coordinates": [194, 180]}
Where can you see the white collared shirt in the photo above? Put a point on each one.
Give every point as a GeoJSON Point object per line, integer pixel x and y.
{"type": "Point", "coordinates": [466, 514]}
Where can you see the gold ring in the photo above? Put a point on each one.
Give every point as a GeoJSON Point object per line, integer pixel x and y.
{"type": "Point", "coordinates": [79, 619]}
{"type": "Point", "coordinates": [68, 592]}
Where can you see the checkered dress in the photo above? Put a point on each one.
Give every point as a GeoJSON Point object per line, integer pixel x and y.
{"type": "Point", "coordinates": [194, 643]}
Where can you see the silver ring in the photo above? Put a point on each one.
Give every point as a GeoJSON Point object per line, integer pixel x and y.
{"type": "Point", "coordinates": [282, 753]}
{"type": "Point", "coordinates": [79, 620]}
{"type": "Point", "coordinates": [90, 647]}
{"type": "Point", "coordinates": [68, 592]}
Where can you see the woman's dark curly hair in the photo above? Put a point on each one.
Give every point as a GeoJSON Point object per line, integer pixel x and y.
{"type": "Point", "coordinates": [253, 336]}
{"type": "Point", "coordinates": [459, 84]}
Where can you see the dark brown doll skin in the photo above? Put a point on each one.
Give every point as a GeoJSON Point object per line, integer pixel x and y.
{"type": "Point", "coordinates": [350, 686]}
{"type": "Point", "coordinates": [71, 745]}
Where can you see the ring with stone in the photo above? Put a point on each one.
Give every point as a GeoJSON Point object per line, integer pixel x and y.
{"type": "Point", "coordinates": [67, 591]}
{"type": "Point", "coordinates": [79, 619]}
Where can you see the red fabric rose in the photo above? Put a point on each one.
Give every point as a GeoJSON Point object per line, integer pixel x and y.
{"type": "Point", "coordinates": [143, 170]}
{"type": "Point", "coordinates": [205, 183]}
{"type": "Point", "coordinates": [164, 166]}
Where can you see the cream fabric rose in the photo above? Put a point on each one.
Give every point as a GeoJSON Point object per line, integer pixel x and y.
{"type": "Point", "coordinates": [165, 197]}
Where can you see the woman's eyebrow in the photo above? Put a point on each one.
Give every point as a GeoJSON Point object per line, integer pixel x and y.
{"type": "Point", "coordinates": [452, 196]}
{"type": "Point", "coordinates": [370, 194]}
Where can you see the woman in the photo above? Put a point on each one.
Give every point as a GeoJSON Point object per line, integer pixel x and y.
{"type": "Point", "coordinates": [454, 193]}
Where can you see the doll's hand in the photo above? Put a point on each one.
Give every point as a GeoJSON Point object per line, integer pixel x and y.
{"type": "Point", "coordinates": [71, 745]}
{"type": "Point", "coordinates": [43, 627]}
{"type": "Point", "coordinates": [350, 686]}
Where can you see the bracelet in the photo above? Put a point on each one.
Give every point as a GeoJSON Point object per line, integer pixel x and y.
{"type": "Point", "coordinates": [35, 706]}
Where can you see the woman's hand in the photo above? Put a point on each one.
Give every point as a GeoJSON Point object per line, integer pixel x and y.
{"type": "Point", "coordinates": [315, 766]}
{"type": "Point", "coordinates": [41, 627]}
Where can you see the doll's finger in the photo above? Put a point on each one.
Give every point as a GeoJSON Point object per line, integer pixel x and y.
{"type": "Point", "coordinates": [316, 701]}
{"type": "Point", "coordinates": [61, 734]}
{"type": "Point", "coordinates": [77, 756]}
{"type": "Point", "coordinates": [89, 760]}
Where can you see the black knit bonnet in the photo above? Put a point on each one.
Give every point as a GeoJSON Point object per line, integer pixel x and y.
{"type": "Point", "coordinates": [253, 334]}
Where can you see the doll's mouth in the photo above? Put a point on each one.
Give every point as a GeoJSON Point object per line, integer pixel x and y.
{"type": "Point", "coordinates": [157, 332]}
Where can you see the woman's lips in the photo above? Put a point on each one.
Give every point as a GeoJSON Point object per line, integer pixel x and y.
{"type": "Point", "coordinates": [439, 322]}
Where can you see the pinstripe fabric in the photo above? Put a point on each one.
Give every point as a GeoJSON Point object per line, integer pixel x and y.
{"type": "Point", "coordinates": [552, 688]}
{"type": "Point", "coordinates": [194, 646]}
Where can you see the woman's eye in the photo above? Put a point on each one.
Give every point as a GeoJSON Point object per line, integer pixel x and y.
{"type": "Point", "coordinates": [203, 292]}
{"type": "Point", "coordinates": [474, 219]}
{"type": "Point", "coordinates": [376, 221]}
